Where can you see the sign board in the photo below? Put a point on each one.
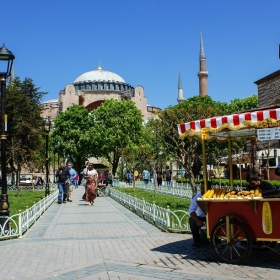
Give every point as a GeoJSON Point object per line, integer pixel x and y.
{"type": "Point", "coordinates": [267, 134]}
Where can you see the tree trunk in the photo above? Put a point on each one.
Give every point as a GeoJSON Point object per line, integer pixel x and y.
{"type": "Point", "coordinates": [18, 179]}
{"type": "Point", "coordinates": [188, 168]}
{"type": "Point", "coordinates": [115, 164]}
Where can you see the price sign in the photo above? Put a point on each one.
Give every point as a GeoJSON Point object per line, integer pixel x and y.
{"type": "Point", "coordinates": [267, 134]}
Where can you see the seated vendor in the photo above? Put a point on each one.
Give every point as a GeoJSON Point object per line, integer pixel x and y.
{"type": "Point", "coordinates": [197, 216]}
{"type": "Point", "coordinates": [255, 181]}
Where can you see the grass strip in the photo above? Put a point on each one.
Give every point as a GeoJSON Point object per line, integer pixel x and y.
{"type": "Point", "coordinates": [24, 199]}
{"type": "Point", "coordinates": [162, 200]}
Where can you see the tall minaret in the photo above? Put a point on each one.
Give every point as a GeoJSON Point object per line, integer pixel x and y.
{"type": "Point", "coordinates": [180, 89]}
{"type": "Point", "coordinates": [202, 74]}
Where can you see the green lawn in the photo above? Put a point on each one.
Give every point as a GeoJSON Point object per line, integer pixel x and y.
{"type": "Point", "coordinates": [25, 198]}
{"type": "Point", "coordinates": [163, 200]}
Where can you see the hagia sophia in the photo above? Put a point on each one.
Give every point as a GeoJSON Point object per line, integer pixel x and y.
{"type": "Point", "coordinates": [91, 88]}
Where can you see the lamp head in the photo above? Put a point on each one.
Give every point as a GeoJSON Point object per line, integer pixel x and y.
{"type": "Point", "coordinates": [47, 125]}
{"type": "Point", "coordinates": [6, 56]}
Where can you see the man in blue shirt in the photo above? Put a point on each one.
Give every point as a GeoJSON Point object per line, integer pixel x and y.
{"type": "Point", "coordinates": [146, 176]}
{"type": "Point", "coordinates": [197, 216]}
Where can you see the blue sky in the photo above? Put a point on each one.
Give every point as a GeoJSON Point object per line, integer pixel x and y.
{"type": "Point", "coordinates": [145, 42]}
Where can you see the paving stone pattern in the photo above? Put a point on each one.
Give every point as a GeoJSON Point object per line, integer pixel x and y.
{"type": "Point", "coordinates": [107, 241]}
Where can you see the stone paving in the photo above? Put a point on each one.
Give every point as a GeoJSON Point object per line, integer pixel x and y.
{"type": "Point", "coordinates": [107, 241]}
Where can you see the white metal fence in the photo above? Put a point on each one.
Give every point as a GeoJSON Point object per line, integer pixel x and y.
{"type": "Point", "coordinates": [18, 224]}
{"type": "Point", "coordinates": [168, 219]}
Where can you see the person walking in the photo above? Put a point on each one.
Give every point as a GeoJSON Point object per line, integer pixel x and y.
{"type": "Point", "coordinates": [129, 178]}
{"type": "Point", "coordinates": [63, 176]}
{"type": "Point", "coordinates": [152, 176]}
{"type": "Point", "coordinates": [159, 177]}
{"type": "Point", "coordinates": [76, 180]}
{"type": "Point", "coordinates": [71, 182]}
{"type": "Point", "coordinates": [91, 186]}
{"type": "Point", "coordinates": [146, 176]}
{"type": "Point", "coordinates": [168, 175]}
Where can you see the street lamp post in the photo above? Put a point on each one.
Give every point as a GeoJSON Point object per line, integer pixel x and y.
{"type": "Point", "coordinates": [7, 58]}
{"type": "Point", "coordinates": [47, 128]}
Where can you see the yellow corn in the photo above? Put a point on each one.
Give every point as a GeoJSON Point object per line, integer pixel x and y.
{"type": "Point", "coordinates": [206, 194]}
{"type": "Point", "coordinates": [212, 191]}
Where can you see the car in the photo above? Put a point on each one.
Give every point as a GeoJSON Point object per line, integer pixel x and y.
{"type": "Point", "coordinates": [25, 181]}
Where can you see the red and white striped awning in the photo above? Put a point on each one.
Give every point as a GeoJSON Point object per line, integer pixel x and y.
{"type": "Point", "coordinates": [234, 122]}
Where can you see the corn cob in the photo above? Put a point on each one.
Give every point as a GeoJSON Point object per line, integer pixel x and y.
{"type": "Point", "coordinates": [224, 190]}
{"type": "Point", "coordinates": [220, 190]}
{"type": "Point", "coordinates": [206, 194]}
{"type": "Point", "coordinates": [211, 193]}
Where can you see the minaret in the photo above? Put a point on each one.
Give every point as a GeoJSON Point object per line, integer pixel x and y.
{"type": "Point", "coordinates": [180, 89]}
{"type": "Point", "coordinates": [202, 74]}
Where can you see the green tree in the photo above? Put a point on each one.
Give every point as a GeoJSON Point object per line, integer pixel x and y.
{"type": "Point", "coordinates": [68, 136]}
{"type": "Point", "coordinates": [24, 123]}
{"type": "Point", "coordinates": [239, 105]}
{"type": "Point", "coordinates": [184, 150]}
{"type": "Point", "coordinates": [135, 156]}
{"type": "Point", "coordinates": [114, 125]}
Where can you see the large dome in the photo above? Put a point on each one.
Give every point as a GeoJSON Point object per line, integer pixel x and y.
{"type": "Point", "coordinates": [99, 74]}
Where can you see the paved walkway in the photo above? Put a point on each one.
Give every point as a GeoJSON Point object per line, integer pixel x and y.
{"type": "Point", "coordinates": [107, 241]}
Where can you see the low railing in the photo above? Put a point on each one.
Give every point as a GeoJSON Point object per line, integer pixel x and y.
{"type": "Point", "coordinates": [18, 224]}
{"type": "Point", "coordinates": [31, 187]}
{"type": "Point", "coordinates": [183, 190]}
{"type": "Point", "coordinates": [165, 218]}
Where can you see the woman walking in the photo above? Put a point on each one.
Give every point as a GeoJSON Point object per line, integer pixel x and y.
{"type": "Point", "coordinates": [91, 186]}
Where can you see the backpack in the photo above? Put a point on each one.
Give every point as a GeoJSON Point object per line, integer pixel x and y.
{"type": "Point", "coordinates": [167, 172]}
{"type": "Point", "coordinates": [277, 171]}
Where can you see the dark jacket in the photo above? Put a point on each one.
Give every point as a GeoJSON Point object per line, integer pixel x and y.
{"type": "Point", "coordinates": [64, 176]}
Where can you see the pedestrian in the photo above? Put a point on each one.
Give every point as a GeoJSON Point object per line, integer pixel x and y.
{"type": "Point", "coordinates": [168, 175]}
{"type": "Point", "coordinates": [159, 177]}
{"type": "Point", "coordinates": [152, 176]}
{"type": "Point", "coordinates": [63, 176]}
{"type": "Point", "coordinates": [146, 176]}
{"type": "Point", "coordinates": [129, 176]}
{"type": "Point", "coordinates": [71, 182]}
{"type": "Point", "coordinates": [100, 177]}
{"type": "Point", "coordinates": [91, 186]}
{"type": "Point", "coordinates": [76, 180]}
{"type": "Point", "coordinates": [110, 178]}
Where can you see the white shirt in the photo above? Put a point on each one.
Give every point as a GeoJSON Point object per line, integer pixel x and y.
{"type": "Point", "coordinates": [195, 208]}
{"type": "Point", "coordinates": [91, 172]}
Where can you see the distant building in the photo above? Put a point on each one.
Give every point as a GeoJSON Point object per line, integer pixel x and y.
{"type": "Point", "coordinates": [50, 109]}
{"type": "Point", "coordinates": [92, 88]}
{"type": "Point", "coordinates": [269, 90]}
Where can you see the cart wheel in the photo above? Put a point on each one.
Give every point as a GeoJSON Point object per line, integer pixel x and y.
{"type": "Point", "coordinates": [240, 246]}
{"type": "Point", "coordinates": [264, 245]}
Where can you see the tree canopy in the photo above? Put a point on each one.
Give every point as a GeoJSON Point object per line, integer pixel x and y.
{"type": "Point", "coordinates": [68, 139]}
{"type": "Point", "coordinates": [114, 125]}
{"type": "Point", "coordinates": [24, 121]}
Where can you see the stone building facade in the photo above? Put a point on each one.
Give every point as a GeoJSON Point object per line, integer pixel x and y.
{"type": "Point", "coordinates": [269, 90]}
{"type": "Point", "coordinates": [94, 87]}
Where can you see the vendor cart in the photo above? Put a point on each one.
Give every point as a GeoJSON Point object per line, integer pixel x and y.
{"type": "Point", "coordinates": [236, 225]}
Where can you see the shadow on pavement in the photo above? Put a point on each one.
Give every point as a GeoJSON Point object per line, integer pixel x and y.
{"type": "Point", "coordinates": [259, 258]}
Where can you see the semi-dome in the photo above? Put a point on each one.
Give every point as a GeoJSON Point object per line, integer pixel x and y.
{"type": "Point", "coordinates": [99, 74]}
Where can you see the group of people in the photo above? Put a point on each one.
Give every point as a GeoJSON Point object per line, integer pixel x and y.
{"type": "Point", "coordinates": [197, 215]}
{"type": "Point", "coordinates": [154, 176]}
{"type": "Point", "coordinates": [68, 179]}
